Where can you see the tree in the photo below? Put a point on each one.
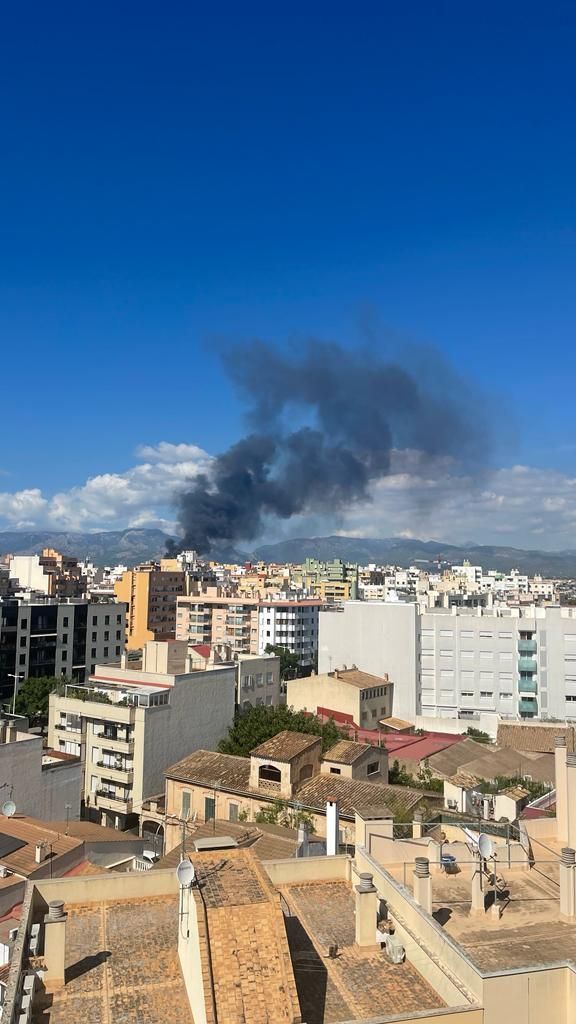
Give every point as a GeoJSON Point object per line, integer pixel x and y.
{"type": "Point", "coordinates": [32, 699]}
{"type": "Point", "coordinates": [289, 663]}
{"type": "Point", "coordinates": [261, 723]}
{"type": "Point", "coordinates": [478, 735]}
{"type": "Point", "coordinates": [279, 812]}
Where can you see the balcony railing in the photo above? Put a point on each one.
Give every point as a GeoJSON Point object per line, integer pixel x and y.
{"type": "Point", "coordinates": [107, 800]}
{"type": "Point", "coordinates": [527, 647]}
{"type": "Point", "coordinates": [527, 664]}
{"type": "Point", "coordinates": [528, 707]}
{"type": "Point", "coordinates": [528, 685]}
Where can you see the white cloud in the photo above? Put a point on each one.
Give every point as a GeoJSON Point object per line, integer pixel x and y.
{"type": "Point", "coordinates": [519, 505]}
{"type": "Point", "coordinates": [141, 496]}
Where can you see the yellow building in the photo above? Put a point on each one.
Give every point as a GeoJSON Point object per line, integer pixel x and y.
{"type": "Point", "coordinates": [151, 592]}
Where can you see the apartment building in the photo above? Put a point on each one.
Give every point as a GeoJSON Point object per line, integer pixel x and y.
{"type": "Point", "coordinates": [41, 782]}
{"type": "Point", "coordinates": [134, 718]}
{"type": "Point", "coordinates": [215, 616]}
{"type": "Point", "coordinates": [290, 622]}
{"type": "Point", "coordinates": [150, 592]}
{"type": "Point", "coordinates": [481, 664]}
{"type": "Point", "coordinates": [257, 676]}
{"type": "Point", "coordinates": [46, 637]}
{"type": "Point", "coordinates": [50, 573]}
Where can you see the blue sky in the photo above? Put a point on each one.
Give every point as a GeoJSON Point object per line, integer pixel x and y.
{"type": "Point", "coordinates": [174, 175]}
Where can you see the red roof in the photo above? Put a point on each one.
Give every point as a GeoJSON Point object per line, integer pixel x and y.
{"type": "Point", "coordinates": [202, 649]}
{"type": "Point", "coordinates": [417, 748]}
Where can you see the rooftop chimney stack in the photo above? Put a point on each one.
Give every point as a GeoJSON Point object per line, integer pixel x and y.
{"type": "Point", "coordinates": [332, 828]}
{"type": "Point", "coordinates": [568, 882]}
{"type": "Point", "coordinates": [423, 883]}
{"type": "Point", "coordinates": [571, 798]}
{"type": "Point", "coordinates": [54, 945]}
{"type": "Point", "coordinates": [366, 899]}
{"type": "Point", "coordinates": [561, 788]}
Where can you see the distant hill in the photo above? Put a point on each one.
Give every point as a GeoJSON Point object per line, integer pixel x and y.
{"type": "Point", "coordinates": [403, 552]}
{"type": "Point", "coordinates": [109, 547]}
{"type": "Point", "coordinates": [128, 547]}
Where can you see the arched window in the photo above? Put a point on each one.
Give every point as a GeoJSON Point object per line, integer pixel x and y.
{"type": "Point", "coordinates": [268, 773]}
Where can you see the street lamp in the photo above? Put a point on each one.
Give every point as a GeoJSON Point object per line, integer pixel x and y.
{"type": "Point", "coordinates": [15, 676]}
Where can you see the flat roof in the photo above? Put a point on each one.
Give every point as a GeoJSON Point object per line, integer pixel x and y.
{"type": "Point", "coordinates": [355, 677]}
{"type": "Point", "coordinates": [121, 964]}
{"type": "Point", "coordinates": [356, 985]}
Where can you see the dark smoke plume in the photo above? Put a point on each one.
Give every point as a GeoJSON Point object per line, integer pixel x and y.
{"type": "Point", "coordinates": [324, 421]}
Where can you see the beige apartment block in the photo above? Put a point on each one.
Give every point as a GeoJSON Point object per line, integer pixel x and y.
{"type": "Point", "coordinates": [151, 592]}
{"type": "Point", "coordinates": [130, 722]}
{"type": "Point", "coordinates": [216, 617]}
{"type": "Point", "coordinates": [363, 699]}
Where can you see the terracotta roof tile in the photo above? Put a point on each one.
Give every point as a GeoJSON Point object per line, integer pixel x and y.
{"type": "Point", "coordinates": [207, 766]}
{"type": "Point", "coordinates": [539, 738]}
{"type": "Point", "coordinates": [285, 745]}
{"type": "Point", "coordinates": [356, 795]}
{"type": "Point", "coordinates": [346, 752]}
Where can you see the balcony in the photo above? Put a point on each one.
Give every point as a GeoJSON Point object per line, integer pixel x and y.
{"type": "Point", "coordinates": [108, 800]}
{"type": "Point", "coordinates": [528, 685]}
{"type": "Point", "coordinates": [528, 708]}
{"type": "Point", "coordinates": [526, 664]}
{"type": "Point", "coordinates": [125, 775]}
{"type": "Point", "coordinates": [121, 744]}
{"type": "Point", "coordinates": [65, 727]}
{"type": "Point", "coordinates": [527, 647]}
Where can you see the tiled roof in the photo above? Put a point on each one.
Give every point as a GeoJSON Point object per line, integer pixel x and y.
{"type": "Point", "coordinates": [207, 766]}
{"type": "Point", "coordinates": [346, 752]}
{"type": "Point", "coordinates": [396, 723]}
{"type": "Point", "coordinates": [285, 745]}
{"type": "Point", "coordinates": [268, 842]}
{"type": "Point", "coordinates": [539, 738]}
{"type": "Point", "coordinates": [356, 677]}
{"type": "Point", "coordinates": [447, 762]}
{"type": "Point", "coordinates": [92, 832]}
{"type": "Point", "coordinates": [356, 795]}
{"type": "Point", "coordinates": [23, 860]}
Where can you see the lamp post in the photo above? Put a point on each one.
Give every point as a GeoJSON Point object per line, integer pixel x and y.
{"type": "Point", "coordinates": [15, 676]}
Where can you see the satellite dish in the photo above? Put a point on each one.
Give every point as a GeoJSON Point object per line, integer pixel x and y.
{"type": "Point", "coordinates": [9, 809]}
{"type": "Point", "coordinates": [185, 873]}
{"type": "Point", "coordinates": [485, 846]}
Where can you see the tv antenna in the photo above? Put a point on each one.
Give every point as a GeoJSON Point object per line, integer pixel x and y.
{"type": "Point", "coordinates": [185, 873]}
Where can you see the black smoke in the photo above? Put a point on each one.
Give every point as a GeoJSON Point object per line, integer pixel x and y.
{"type": "Point", "coordinates": [323, 423]}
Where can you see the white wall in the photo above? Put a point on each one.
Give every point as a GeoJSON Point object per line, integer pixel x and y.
{"type": "Point", "coordinates": [379, 638]}
{"type": "Point", "coordinates": [36, 792]}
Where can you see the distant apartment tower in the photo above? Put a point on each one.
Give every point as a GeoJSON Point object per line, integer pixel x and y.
{"type": "Point", "coordinates": [214, 617]}
{"type": "Point", "coordinates": [45, 637]}
{"type": "Point", "coordinates": [50, 573]}
{"type": "Point", "coordinates": [291, 623]}
{"type": "Point", "coordinates": [150, 592]}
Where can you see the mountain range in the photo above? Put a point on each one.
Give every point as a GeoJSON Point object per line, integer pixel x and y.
{"type": "Point", "coordinates": [128, 547]}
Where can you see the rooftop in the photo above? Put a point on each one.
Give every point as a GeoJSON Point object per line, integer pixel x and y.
{"type": "Point", "coordinates": [285, 745]}
{"type": "Point", "coordinates": [121, 965]}
{"type": "Point", "coordinates": [346, 752]}
{"type": "Point", "coordinates": [536, 737]}
{"type": "Point", "coordinates": [355, 677]}
{"type": "Point", "coordinates": [354, 985]}
{"type": "Point", "coordinates": [268, 842]}
{"type": "Point", "coordinates": [19, 836]}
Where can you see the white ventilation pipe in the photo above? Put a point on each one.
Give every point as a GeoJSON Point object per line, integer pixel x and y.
{"type": "Point", "coordinates": [332, 827]}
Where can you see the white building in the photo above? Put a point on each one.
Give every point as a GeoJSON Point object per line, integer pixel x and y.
{"type": "Point", "coordinates": [291, 623]}
{"type": "Point", "coordinates": [452, 663]}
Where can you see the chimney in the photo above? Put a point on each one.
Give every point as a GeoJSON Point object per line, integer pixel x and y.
{"type": "Point", "coordinates": [332, 827]}
{"type": "Point", "coordinates": [417, 825]}
{"type": "Point", "coordinates": [54, 945]}
{"type": "Point", "coordinates": [423, 883]}
{"type": "Point", "coordinates": [40, 853]}
{"type": "Point", "coordinates": [561, 774]}
{"type": "Point", "coordinates": [571, 798]}
{"type": "Point", "coordinates": [188, 664]}
{"type": "Point", "coordinates": [335, 673]}
{"type": "Point", "coordinates": [567, 882]}
{"type": "Point", "coordinates": [366, 910]}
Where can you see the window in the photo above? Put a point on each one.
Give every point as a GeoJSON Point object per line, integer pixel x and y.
{"type": "Point", "coordinates": [504, 636]}
{"type": "Point", "coordinates": [466, 634]}
{"type": "Point", "coordinates": [22, 659]}
{"type": "Point", "coordinates": [446, 633]}
{"type": "Point", "coordinates": [571, 697]}
{"type": "Point", "coordinates": [65, 621]}
{"type": "Point", "coordinates": [209, 808]}
{"type": "Point", "coordinates": [117, 651]}
{"type": "Point", "coordinates": [106, 620]}
{"type": "Point", "coordinates": [107, 634]}
{"type": "Point", "coordinates": [505, 696]}
{"type": "Point", "coordinates": [105, 652]}
{"type": "Point", "coordinates": [93, 654]}
{"type": "Point", "coordinates": [486, 693]}
{"type": "Point", "coordinates": [118, 618]}
{"type": "Point", "coordinates": [486, 655]}
{"type": "Point", "coordinates": [373, 768]}
{"type": "Point", "coordinates": [118, 634]}
{"type": "Point", "coordinates": [335, 771]}
{"type": "Point", "coordinates": [64, 638]}
{"type": "Point", "coordinates": [94, 620]}
{"type": "Point", "coordinates": [269, 773]}
{"type": "Point", "coordinates": [94, 637]}
{"type": "Point", "coordinates": [467, 693]}
{"type": "Point", "coordinates": [23, 623]}
{"type": "Point", "coordinates": [64, 655]}
{"type": "Point", "coordinates": [484, 635]}
{"type": "Point", "coordinates": [23, 641]}
{"type": "Point", "coordinates": [185, 805]}
{"type": "Point", "coordinates": [232, 812]}
{"type": "Point", "coordinates": [446, 654]}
